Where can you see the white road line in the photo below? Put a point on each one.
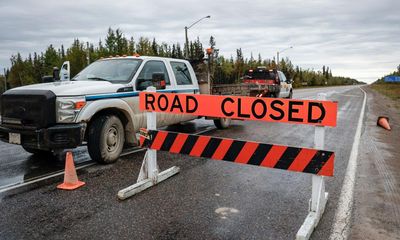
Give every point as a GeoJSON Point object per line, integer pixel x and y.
{"type": "Point", "coordinates": [341, 223]}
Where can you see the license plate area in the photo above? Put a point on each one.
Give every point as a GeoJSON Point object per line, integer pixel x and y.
{"type": "Point", "coordinates": [14, 138]}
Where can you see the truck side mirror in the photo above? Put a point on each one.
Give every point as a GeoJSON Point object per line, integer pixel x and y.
{"type": "Point", "coordinates": [65, 71]}
{"type": "Point", "coordinates": [56, 74]}
{"type": "Point", "coordinates": [158, 80]}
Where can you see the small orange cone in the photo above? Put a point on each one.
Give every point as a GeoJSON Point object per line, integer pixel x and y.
{"type": "Point", "coordinates": [71, 181]}
{"type": "Point", "coordinates": [383, 122]}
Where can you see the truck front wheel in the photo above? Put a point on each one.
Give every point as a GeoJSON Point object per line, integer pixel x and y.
{"type": "Point", "coordinates": [106, 139]}
{"type": "Point", "coordinates": [222, 123]}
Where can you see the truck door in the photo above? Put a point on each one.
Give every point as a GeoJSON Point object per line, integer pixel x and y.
{"type": "Point", "coordinates": [65, 71]}
{"type": "Point", "coordinates": [144, 80]}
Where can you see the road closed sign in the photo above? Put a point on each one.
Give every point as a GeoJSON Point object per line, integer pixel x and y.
{"type": "Point", "coordinates": [312, 112]}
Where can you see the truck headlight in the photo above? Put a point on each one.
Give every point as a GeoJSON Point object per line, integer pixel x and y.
{"type": "Point", "coordinates": [68, 108]}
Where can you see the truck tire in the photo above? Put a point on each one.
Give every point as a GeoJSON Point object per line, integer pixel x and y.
{"type": "Point", "coordinates": [35, 151]}
{"type": "Point", "coordinates": [222, 123]}
{"type": "Point", "coordinates": [106, 139]}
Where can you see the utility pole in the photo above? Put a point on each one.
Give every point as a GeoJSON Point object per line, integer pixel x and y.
{"type": "Point", "coordinates": [5, 80]}
{"type": "Point", "coordinates": [277, 60]}
{"type": "Point", "coordinates": [186, 44]}
{"type": "Point", "coordinates": [186, 36]}
{"type": "Point", "coordinates": [277, 56]}
{"type": "Point", "coordinates": [87, 53]}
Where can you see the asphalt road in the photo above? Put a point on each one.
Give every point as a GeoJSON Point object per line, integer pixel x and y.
{"type": "Point", "coordinates": [207, 200]}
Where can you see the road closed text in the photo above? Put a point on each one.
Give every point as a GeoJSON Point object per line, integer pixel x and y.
{"type": "Point", "coordinates": [245, 108]}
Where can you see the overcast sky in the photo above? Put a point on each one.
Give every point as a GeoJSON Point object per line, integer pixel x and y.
{"type": "Point", "coordinates": [358, 39]}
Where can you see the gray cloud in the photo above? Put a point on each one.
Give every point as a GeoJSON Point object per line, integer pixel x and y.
{"type": "Point", "coordinates": [358, 39]}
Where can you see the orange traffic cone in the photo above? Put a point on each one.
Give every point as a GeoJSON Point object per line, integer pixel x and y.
{"type": "Point", "coordinates": [71, 181]}
{"type": "Point", "coordinates": [383, 122]}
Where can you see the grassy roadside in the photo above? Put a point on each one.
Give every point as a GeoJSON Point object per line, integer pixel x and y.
{"type": "Point", "coordinates": [391, 90]}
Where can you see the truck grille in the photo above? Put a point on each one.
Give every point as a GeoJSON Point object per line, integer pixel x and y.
{"type": "Point", "coordinates": [28, 108]}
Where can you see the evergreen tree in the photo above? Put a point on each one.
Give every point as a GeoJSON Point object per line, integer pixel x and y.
{"type": "Point", "coordinates": [179, 52]}
{"type": "Point", "coordinates": [259, 60]}
{"type": "Point", "coordinates": [131, 46]}
{"type": "Point", "coordinates": [51, 60]}
{"type": "Point", "coordinates": [110, 42]}
{"type": "Point", "coordinates": [154, 48]}
{"type": "Point", "coordinates": [76, 55]}
{"type": "Point", "coordinates": [212, 42]}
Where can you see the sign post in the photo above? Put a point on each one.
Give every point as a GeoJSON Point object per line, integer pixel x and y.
{"type": "Point", "coordinates": [149, 173]}
{"type": "Point", "coordinates": [318, 195]}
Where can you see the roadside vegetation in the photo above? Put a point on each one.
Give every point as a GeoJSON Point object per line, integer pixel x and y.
{"type": "Point", "coordinates": [31, 69]}
{"type": "Point", "coordinates": [391, 90]}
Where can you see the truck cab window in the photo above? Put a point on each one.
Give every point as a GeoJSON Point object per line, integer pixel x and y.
{"type": "Point", "coordinates": [182, 74]}
{"type": "Point", "coordinates": [145, 78]}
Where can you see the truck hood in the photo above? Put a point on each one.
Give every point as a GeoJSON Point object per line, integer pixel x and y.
{"type": "Point", "coordinates": [74, 88]}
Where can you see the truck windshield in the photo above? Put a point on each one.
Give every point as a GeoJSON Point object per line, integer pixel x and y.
{"type": "Point", "coordinates": [111, 70]}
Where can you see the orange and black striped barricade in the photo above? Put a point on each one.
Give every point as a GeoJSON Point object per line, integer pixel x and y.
{"type": "Point", "coordinates": [296, 159]}
{"type": "Point", "coordinates": [318, 162]}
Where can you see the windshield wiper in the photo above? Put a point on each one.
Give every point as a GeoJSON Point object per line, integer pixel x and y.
{"type": "Point", "coordinates": [97, 78]}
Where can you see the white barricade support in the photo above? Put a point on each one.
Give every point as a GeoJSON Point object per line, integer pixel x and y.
{"type": "Point", "coordinates": [149, 173]}
{"type": "Point", "coordinates": [318, 197]}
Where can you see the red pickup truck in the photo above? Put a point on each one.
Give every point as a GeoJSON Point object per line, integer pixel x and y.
{"type": "Point", "coordinates": [265, 82]}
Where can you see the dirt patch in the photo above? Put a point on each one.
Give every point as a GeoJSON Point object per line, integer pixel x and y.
{"type": "Point", "coordinates": [377, 192]}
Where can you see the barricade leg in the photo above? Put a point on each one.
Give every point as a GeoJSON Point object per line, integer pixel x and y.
{"type": "Point", "coordinates": [319, 197]}
{"type": "Point", "coordinates": [149, 174]}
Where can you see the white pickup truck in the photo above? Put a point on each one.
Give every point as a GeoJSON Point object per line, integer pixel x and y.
{"type": "Point", "coordinates": [98, 106]}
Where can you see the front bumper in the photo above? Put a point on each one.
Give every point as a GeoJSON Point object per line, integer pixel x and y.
{"type": "Point", "coordinates": [52, 138]}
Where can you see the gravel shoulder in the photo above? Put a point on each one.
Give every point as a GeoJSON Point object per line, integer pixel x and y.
{"type": "Point", "coordinates": [377, 192]}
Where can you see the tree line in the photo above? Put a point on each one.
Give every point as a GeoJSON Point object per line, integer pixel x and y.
{"type": "Point", "coordinates": [31, 69]}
